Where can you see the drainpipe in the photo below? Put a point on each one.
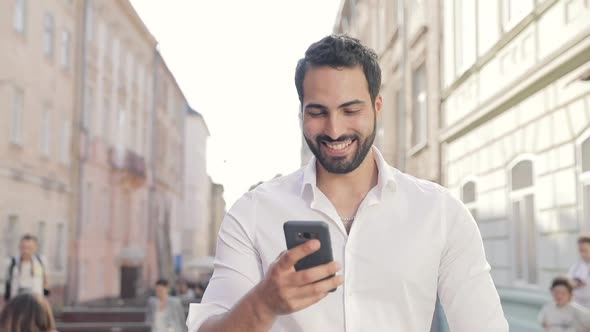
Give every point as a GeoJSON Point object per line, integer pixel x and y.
{"type": "Point", "coordinates": [79, 148]}
{"type": "Point", "coordinates": [401, 126]}
{"type": "Point", "coordinates": [152, 216]}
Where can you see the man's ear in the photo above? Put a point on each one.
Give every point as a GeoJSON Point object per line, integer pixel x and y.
{"type": "Point", "coordinates": [378, 104]}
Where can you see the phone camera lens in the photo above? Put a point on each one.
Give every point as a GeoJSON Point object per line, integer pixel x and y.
{"type": "Point", "coordinates": [307, 235]}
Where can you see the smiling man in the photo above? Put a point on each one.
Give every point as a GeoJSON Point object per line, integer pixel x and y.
{"type": "Point", "coordinates": [397, 241]}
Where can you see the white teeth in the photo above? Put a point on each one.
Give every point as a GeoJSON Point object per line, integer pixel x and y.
{"type": "Point", "coordinates": [338, 146]}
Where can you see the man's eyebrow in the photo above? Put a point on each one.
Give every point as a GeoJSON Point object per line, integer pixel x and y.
{"type": "Point", "coordinates": [351, 103]}
{"type": "Point", "coordinates": [318, 106]}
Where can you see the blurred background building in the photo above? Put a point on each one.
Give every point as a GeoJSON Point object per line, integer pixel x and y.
{"type": "Point", "coordinates": [101, 156]}
{"type": "Point", "coordinates": [491, 99]}
{"type": "Point", "coordinates": [38, 80]}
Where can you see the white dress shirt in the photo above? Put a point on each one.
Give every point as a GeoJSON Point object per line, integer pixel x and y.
{"type": "Point", "coordinates": [410, 239]}
{"type": "Point", "coordinates": [581, 271]}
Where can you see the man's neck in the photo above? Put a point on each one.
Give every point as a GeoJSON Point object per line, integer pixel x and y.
{"type": "Point", "coordinates": [355, 184]}
{"type": "Point", "coordinates": [26, 258]}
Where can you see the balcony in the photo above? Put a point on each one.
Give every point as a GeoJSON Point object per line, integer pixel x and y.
{"type": "Point", "coordinates": [129, 166]}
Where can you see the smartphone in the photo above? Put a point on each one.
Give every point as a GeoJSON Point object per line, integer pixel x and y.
{"type": "Point", "coordinates": [299, 232]}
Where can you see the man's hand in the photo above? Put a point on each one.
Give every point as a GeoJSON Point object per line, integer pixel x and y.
{"type": "Point", "coordinates": [284, 290]}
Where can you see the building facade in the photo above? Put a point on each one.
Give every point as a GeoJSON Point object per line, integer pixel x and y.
{"type": "Point", "coordinates": [37, 89]}
{"type": "Point", "coordinates": [110, 242]}
{"type": "Point", "coordinates": [89, 102]}
{"type": "Point", "coordinates": [196, 231]}
{"type": "Point", "coordinates": [516, 119]}
{"type": "Point", "coordinates": [168, 187]}
{"type": "Point", "coordinates": [406, 38]}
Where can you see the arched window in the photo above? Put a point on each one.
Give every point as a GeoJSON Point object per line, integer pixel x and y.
{"type": "Point", "coordinates": [585, 179]}
{"type": "Point", "coordinates": [523, 218]}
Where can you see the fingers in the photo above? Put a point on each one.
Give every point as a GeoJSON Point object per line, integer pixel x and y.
{"type": "Point", "coordinates": [308, 276]}
{"type": "Point", "coordinates": [289, 258]}
{"type": "Point", "coordinates": [320, 289]}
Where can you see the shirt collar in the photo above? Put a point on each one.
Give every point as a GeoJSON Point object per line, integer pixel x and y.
{"type": "Point", "coordinates": [386, 177]}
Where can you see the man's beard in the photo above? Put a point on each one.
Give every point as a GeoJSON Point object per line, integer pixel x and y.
{"type": "Point", "coordinates": [342, 165]}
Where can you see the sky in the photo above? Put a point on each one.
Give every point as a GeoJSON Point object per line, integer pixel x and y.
{"type": "Point", "coordinates": [235, 62]}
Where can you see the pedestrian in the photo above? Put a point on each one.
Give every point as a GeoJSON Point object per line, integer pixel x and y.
{"type": "Point", "coordinates": [580, 272]}
{"type": "Point", "coordinates": [27, 312]}
{"type": "Point", "coordinates": [562, 314]}
{"type": "Point", "coordinates": [400, 240]}
{"type": "Point", "coordinates": [165, 313]}
{"type": "Point", "coordinates": [26, 273]}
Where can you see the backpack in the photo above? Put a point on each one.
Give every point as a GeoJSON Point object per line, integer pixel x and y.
{"type": "Point", "coordinates": [8, 285]}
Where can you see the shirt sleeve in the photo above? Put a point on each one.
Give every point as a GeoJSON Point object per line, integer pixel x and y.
{"type": "Point", "coordinates": [582, 315]}
{"type": "Point", "coordinates": [237, 269]}
{"type": "Point", "coordinates": [465, 286]}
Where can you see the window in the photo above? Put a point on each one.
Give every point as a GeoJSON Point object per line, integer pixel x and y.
{"type": "Point", "coordinates": [488, 28]}
{"type": "Point", "coordinates": [465, 46]}
{"type": "Point", "coordinates": [19, 16]}
{"type": "Point", "coordinates": [49, 27]}
{"type": "Point", "coordinates": [381, 26]}
{"type": "Point", "coordinates": [468, 196]}
{"type": "Point", "coordinates": [513, 11]}
{"type": "Point", "coordinates": [115, 54]}
{"type": "Point", "coordinates": [524, 224]}
{"type": "Point", "coordinates": [419, 107]}
{"type": "Point", "coordinates": [16, 132]}
{"type": "Point", "coordinates": [65, 49]}
{"type": "Point", "coordinates": [65, 142]}
{"type": "Point", "coordinates": [121, 129]}
{"type": "Point", "coordinates": [45, 132]}
{"type": "Point", "coordinates": [41, 236]}
{"type": "Point", "coordinates": [105, 210]}
{"type": "Point", "coordinates": [89, 22]}
{"type": "Point", "coordinates": [102, 37]}
{"type": "Point", "coordinates": [130, 72]}
{"type": "Point", "coordinates": [11, 236]}
{"type": "Point", "coordinates": [88, 204]}
{"type": "Point", "coordinates": [449, 42]}
{"type": "Point", "coordinates": [584, 150]}
{"type": "Point", "coordinates": [401, 135]}
{"type": "Point", "coordinates": [106, 118]}
{"type": "Point", "coordinates": [88, 109]}
{"type": "Point", "coordinates": [60, 247]}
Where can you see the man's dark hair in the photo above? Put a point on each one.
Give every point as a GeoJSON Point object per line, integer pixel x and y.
{"type": "Point", "coordinates": [29, 237]}
{"type": "Point", "coordinates": [340, 51]}
{"type": "Point", "coordinates": [162, 282]}
{"type": "Point", "coordinates": [584, 238]}
{"type": "Point", "coordinates": [562, 281]}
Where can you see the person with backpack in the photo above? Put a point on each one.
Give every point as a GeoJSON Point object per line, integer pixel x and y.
{"type": "Point", "coordinates": [26, 273]}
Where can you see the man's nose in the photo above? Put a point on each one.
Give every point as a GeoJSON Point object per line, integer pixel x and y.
{"type": "Point", "coordinates": [335, 127]}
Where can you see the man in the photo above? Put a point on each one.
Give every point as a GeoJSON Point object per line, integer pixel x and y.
{"type": "Point", "coordinates": [164, 312]}
{"type": "Point", "coordinates": [26, 273]}
{"type": "Point", "coordinates": [399, 240]}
